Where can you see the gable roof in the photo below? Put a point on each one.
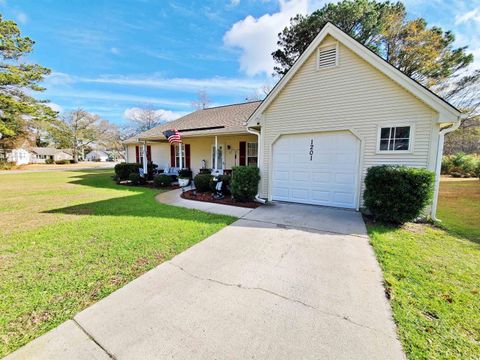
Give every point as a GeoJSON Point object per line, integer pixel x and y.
{"type": "Point", "coordinates": [207, 121]}
{"type": "Point", "coordinates": [447, 112]}
{"type": "Point", "coordinates": [48, 151]}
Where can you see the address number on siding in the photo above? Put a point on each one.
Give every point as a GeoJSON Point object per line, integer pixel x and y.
{"type": "Point", "coordinates": [311, 150]}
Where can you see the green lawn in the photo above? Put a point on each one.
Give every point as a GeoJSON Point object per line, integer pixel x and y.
{"type": "Point", "coordinates": [433, 276]}
{"type": "Point", "coordinates": [68, 239]}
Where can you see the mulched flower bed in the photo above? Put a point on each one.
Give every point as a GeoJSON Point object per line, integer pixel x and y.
{"type": "Point", "coordinates": [149, 185]}
{"type": "Point", "coordinates": [207, 197]}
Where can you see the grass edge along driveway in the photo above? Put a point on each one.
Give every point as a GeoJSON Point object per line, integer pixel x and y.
{"type": "Point", "coordinates": [432, 276]}
{"type": "Point", "coordinates": [72, 238]}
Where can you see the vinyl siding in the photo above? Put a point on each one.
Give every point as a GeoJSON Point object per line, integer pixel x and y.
{"type": "Point", "coordinates": [355, 96]}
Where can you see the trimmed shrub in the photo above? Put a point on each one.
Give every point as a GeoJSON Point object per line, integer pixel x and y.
{"type": "Point", "coordinates": [226, 181]}
{"type": "Point", "coordinates": [135, 178]}
{"type": "Point", "coordinates": [123, 170]}
{"type": "Point", "coordinates": [477, 170]}
{"type": "Point", "coordinates": [6, 165]}
{"type": "Point", "coordinates": [202, 182]}
{"type": "Point", "coordinates": [62, 162]}
{"type": "Point", "coordinates": [245, 183]}
{"type": "Point", "coordinates": [397, 194]}
{"type": "Point", "coordinates": [150, 170]}
{"type": "Point", "coordinates": [205, 171]}
{"type": "Point", "coordinates": [162, 180]}
{"type": "Point", "coordinates": [49, 161]}
{"type": "Point", "coordinates": [185, 173]}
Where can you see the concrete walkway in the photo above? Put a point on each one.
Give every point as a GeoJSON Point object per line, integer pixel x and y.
{"type": "Point", "coordinates": [285, 281]}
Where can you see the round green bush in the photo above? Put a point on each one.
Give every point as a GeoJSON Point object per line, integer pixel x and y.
{"type": "Point", "coordinates": [397, 194]}
{"type": "Point", "coordinates": [202, 182]}
{"type": "Point", "coordinates": [162, 180]}
{"type": "Point", "coordinates": [123, 170]}
{"type": "Point", "coordinates": [134, 178]}
{"type": "Point", "coordinates": [49, 161]}
{"type": "Point", "coordinates": [244, 185]}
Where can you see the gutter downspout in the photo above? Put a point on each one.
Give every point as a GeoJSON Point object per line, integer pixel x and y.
{"type": "Point", "coordinates": [438, 165]}
{"type": "Point", "coordinates": [260, 148]}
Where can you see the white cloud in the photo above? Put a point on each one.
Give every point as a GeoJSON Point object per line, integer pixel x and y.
{"type": "Point", "coordinates": [468, 16]}
{"type": "Point", "coordinates": [188, 84]}
{"type": "Point", "coordinates": [257, 37]}
{"type": "Point", "coordinates": [21, 17]}
{"type": "Point", "coordinates": [114, 51]}
{"type": "Point", "coordinates": [214, 85]}
{"type": "Point", "coordinates": [58, 78]}
{"type": "Point", "coordinates": [55, 107]}
{"type": "Point", "coordinates": [114, 97]}
{"type": "Point", "coordinates": [234, 3]}
{"type": "Point", "coordinates": [167, 115]}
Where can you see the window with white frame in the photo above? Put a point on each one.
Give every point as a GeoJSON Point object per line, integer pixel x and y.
{"type": "Point", "coordinates": [177, 155]}
{"type": "Point", "coordinates": [252, 154]}
{"type": "Point", "coordinates": [219, 154]}
{"type": "Point", "coordinates": [395, 138]}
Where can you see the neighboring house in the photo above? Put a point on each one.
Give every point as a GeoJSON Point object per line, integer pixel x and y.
{"type": "Point", "coordinates": [39, 155]}
{"type": "Point", "coordinates": [339, 110]}
{"type": "Point", "coordinates": [18, 156]}
{"type": "Point", "coordinates": [96, 155]}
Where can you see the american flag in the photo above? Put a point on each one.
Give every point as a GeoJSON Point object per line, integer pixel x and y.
{"type": "Point", "coordinates": [173, 136]}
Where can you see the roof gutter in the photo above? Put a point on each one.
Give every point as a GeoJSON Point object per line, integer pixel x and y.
{"type": "Point", "coordinates": [438, 165]}
{"type": "Point", "coordinates": [260, 157]}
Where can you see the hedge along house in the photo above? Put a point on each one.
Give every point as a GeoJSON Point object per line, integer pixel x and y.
{"type": "Point", "coordinates": [339, 110]}
{"type": "Point", "coordinates": [214, 138]}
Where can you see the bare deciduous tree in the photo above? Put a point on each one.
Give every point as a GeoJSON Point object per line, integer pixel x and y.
{"type": "Point", "coordinates": [79, 129]}
{"type": "Point", "coordinates": [203, 100]}
{"type": "Point", "coordinates": [145, 118]}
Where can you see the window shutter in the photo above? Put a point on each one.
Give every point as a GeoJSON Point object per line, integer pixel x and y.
{"type": "Point", "coordinates": [137, 154]}
{"type": "Point", "coordinates": [327, 57]}
{"type": "Point", "coordinates": [243, 153]}
{"type": "Point", "coordinates": [149, 153]}
{"type": "Point", "coordinates": [172, 156]}
{"type": "Point", "coordinates": [187, 156]}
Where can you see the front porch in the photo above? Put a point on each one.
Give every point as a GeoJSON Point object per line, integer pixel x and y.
{"type": "Point", "coordinates": [218, 152]}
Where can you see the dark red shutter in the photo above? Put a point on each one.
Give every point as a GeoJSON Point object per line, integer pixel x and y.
{"type": "Point", "coordinates": [243, 153]}
{"type": "Point", "coordinates": [137, 154]}
{"type": "Point", "coordinates": [149, 153]}
{"type": "Point", "coordinates": [172, 156]}
{"type": "Point", "coordinates": [187, 156]}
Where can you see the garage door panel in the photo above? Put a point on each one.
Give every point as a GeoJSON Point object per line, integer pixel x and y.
{"type": "Point", "coordinates": [281, 193]}
{"type": "Point", "coordinates": [321, 177]}
{"type": "Point", "coordinates": [301, 176]}
{"type": "Point", "coordinates": [326, 177]}
{"type": "Point", "coordinates": [343, 198]}
{"type": "Point", "coordinates": [281, 175]}
{"type": "Point", "coordinates": [319, 195]}
{"type": "Point", "coordinates": [345, 178]}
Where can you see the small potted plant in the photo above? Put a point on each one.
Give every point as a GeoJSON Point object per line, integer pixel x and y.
{"type": "Point", "coordinates": [184, 176]}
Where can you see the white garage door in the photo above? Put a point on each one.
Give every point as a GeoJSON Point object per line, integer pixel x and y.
{"type": "Point", "coordinates": [317, 168]}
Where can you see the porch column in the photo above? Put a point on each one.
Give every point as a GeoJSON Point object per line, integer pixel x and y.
{"type": "Point", "coordinates": [144, 154]}
{"type": "Point", "coordinates": [180, 150]}
{"type": "Point", "coordinates": [215, 154]}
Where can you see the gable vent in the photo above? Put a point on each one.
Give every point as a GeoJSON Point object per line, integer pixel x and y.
{"type": "Point", "coordinates": [327, 57]}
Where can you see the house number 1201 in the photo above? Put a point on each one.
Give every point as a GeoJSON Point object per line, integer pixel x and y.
{"type": "Point", "coordinates": [311, 150]}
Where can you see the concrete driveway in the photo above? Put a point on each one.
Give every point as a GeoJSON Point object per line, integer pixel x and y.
{"type": "Point", "coordinates": [285, 281]}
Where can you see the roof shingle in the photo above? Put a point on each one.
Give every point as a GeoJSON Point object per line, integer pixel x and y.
{"type": "Point", "coordinates": [231, 117]}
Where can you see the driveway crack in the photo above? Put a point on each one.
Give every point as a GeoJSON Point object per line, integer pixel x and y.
{"type": "Point", "coordinates": [110, 355]}
{"type": "Point", "coordinates": [240, 286]}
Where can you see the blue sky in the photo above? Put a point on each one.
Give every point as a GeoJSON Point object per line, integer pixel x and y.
{"type": "Point", "coordinates": [111, 56]}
